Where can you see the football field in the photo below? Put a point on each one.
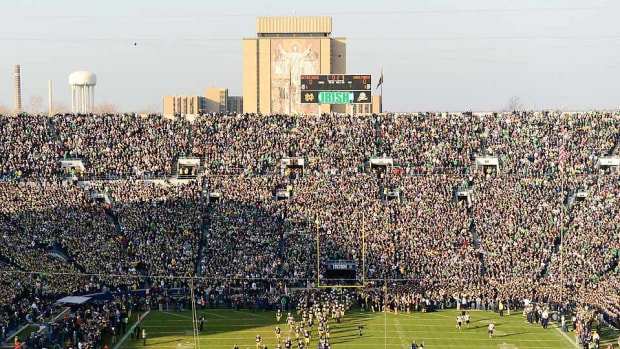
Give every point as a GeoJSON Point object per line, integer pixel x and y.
{"type": "Point", "coordinates": [225, 328]}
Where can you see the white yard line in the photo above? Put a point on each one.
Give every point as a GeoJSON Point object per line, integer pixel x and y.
{"type": "Point", "coordinates": [177, 315]}
{"type": "Point", "coordinates": [572, 341]}
{"type": "Point", "coordinates": [409, 315]}
{"type": "Point", "coordinates": [129, 332]}
{"type": "Point", "coordinates": [364, 345]}
{"type": "Point", "coordinates": [399, 330]}
{"type": "Point", "coordinates": [207, 313]}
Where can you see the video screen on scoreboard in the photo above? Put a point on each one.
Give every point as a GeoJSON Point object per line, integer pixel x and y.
{"type": "Point", "coordinates": [336, 82]}
{"type": "Point", "coordinates": [340, 273]}
{"type": "Point", "coordinates": [340, 278]}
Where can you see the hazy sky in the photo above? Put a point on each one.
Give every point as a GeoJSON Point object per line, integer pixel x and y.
{"type": "Point", "coordinates": [436, 54]}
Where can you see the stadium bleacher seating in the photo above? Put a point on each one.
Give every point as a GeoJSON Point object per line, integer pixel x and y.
{"type": "Point", "coordinates": [502, 242]}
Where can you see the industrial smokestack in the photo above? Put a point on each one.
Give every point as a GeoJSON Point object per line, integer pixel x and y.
{"type": "Point", "coordinates": [18, 90]}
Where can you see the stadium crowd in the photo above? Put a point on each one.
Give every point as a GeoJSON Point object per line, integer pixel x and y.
{"type": "Point", "coordinates": [123, 145]}
{"type": "Point", "coordinates": [517, 220]}
{"type": "Point", "coordinates": [502, 243]}
{"type": "Point", "coordinates": [29, 147]}
{"type": "Point", "coordinates": [160, 227]}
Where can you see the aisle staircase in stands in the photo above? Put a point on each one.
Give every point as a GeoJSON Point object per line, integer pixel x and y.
{"type": "Point", "coordinates": [54, 249]}
{"type": "Point", "coordinates": [52, 126]}
{"type": "Point", "coordinates": [476, 242]}
{"type": "Point", "coordinates": [190, 138]}
{"type": "Point", "coordinates": [175, 168]}
{"type": "Point", "coordinates": [282, 226]}
{"type": "Point", "coordinates": [283, 222]}
{"type": "Point", "coordinates": [475, 238]}
{"type": "Point", "coordinates": [564, 227]}
{"type": "Point", "coordinates": [6, 262]}
{"type": "Point", "coordinates": [63, 253]}
{"type": "Point", "coordinates": [614, 148]}
{"type": "Point", "coordinates": [114, 218]}
{"type": "Point", "coordinates": [568, 217]}
{"type": "Point", "coordinates": [205, 225]}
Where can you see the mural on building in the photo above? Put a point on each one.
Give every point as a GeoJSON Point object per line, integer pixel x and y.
{"type": "Point", "coordinates": [291, 58]}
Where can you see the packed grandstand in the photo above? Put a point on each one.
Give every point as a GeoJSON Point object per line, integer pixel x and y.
{"type": "Point", "coordinates": [502, 242]}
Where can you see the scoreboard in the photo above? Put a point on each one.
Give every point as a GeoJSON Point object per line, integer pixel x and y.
{"type": "Point", "coordinates": [336, 88]}
{"type": "Point", "coordinates": [336, 82]}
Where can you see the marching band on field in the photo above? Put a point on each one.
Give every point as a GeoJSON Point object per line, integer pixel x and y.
{"type": "Point", "coordinates": [302, 324]}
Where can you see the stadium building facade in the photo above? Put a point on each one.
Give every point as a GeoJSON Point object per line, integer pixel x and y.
{"type": "Point", "coordinates": [286, 48]}
{"type": "Point", "coordinates": [215, 100]}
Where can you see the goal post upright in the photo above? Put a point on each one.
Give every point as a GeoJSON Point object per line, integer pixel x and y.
{"type": "Point", "coordinates": [318, 253]}
{"type": "Point", "coordinates": [363, 250]}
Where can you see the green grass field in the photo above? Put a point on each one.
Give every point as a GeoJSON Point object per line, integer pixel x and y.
{"type": "Point", "coordinates": [224, 328]}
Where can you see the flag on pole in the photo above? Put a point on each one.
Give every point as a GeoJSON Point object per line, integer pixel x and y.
{"type": "Point", "coordinates": [561, 160]}
{"type": "Point", "coordinates": [380, 79]}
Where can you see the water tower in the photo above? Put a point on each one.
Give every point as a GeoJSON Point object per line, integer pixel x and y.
{"type": "Point", "coordinates": [82, 91]}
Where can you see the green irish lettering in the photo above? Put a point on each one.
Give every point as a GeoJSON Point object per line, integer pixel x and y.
{"type": "Point", "coordinates": [336, 97]}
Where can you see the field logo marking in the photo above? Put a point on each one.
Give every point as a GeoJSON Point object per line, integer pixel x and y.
{"type": "Point", "coordinates": [507, 346]}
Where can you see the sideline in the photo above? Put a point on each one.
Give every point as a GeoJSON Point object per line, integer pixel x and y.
{"type": "Point", "coordinates": [572, 341]}
{"type": "Point", "coordinates": [11, 336]}
{"type": "Point", "coordinates": [118, 344]}
{"type": "Point", "coordinates": [17, 332]}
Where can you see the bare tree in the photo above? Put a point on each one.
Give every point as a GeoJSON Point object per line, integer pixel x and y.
{"type": "Point", "coordinates": [4, 110]}
{"type": "Point", "coordinates": [106, 108]}
{"type": "Point", "coordinates": [35, 105]}
{"type": "Point", "coordinates": [514, 104]}
{"type": "Point", "coordinates": [61, 108]}
{"type": "Point", "coordinates": [152, 109]}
